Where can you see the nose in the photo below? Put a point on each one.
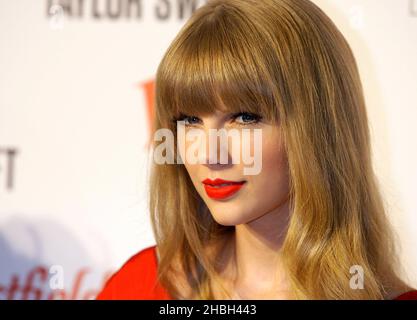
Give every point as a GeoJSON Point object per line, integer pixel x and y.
{"type": "Point", "coordinates": [217, 155]}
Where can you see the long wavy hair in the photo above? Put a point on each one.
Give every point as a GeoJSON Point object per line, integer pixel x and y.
{"type": "Point", "coordinates": [287, 61]}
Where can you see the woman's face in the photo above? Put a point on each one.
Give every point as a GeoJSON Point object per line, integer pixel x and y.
{"type": "Point", "coordinates": [254, 195]}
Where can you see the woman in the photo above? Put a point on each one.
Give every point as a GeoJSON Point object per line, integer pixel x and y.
{"type": "Point", "coordinates": [311, 224]}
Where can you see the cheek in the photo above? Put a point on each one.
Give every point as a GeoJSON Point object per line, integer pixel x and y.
{"type": "Point", "coordinates": [275, 167]}
{"type": "Point", "coordinates": [272, 183]}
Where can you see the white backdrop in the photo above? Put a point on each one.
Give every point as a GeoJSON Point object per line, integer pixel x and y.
{"type": "Point", "coordinates": [74, 125]}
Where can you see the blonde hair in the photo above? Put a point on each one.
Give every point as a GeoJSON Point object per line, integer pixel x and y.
{"type": "Point", "coordinates": [285, 60]}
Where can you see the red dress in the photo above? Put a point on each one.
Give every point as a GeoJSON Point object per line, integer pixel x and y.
{"type": "Point", "coordinates": [136, 280]}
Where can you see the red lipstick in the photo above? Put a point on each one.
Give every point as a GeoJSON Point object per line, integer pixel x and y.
{"type": "Point", "coordinates": [221, 189]}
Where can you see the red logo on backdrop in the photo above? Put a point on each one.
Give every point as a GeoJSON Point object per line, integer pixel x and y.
{"type": "Point", "coordinates": [149, 89]}
{"type": "Point", "coordinates": [34, 285]}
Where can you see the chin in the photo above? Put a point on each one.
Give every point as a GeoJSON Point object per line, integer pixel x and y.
{"type": "Point", "coordinates": [228, 218]}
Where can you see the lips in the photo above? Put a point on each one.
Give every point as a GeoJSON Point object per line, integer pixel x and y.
{"type": "Point", "coordinates": [221, 189]}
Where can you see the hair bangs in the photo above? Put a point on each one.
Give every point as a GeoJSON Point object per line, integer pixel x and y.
{"type": "Point", "coordinates": [215, 67]}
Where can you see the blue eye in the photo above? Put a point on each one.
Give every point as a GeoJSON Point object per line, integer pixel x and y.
{"type": "Point", "coordinates": [189, 120]}
{"type": "Point", "coordinates": [246, 118]}
{"type": "Point", "coordinates": [241, 118]}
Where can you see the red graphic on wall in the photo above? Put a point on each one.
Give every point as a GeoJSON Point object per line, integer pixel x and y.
{"type": "Point", "coordinates": [35, 287]}
{"type": "Point", "coordinates": [148, 88]}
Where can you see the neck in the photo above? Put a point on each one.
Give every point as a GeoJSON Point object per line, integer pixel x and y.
{"type": "Point", "coordinates": [257, 247]}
